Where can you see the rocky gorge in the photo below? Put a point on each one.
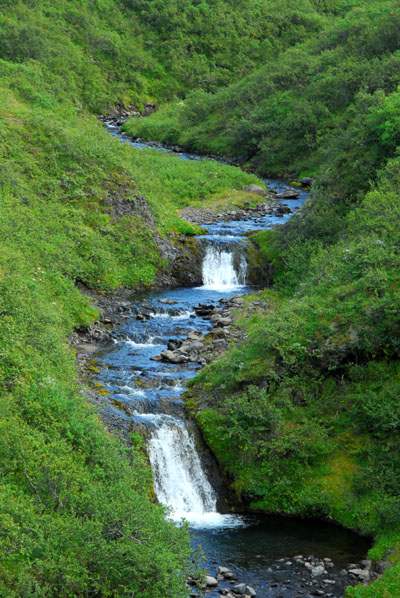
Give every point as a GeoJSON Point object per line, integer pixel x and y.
{"type": "Point", "coordinates": [195, 333]}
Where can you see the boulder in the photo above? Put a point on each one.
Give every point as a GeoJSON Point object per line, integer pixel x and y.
{"type": "Point", "coordinates": [224, 322]}
{"type": "Point", "coordinates": [210, 582]}
{"type": "Point", "coordinates": [288, 194]}
{"type": "Point", "coordinates": [362, 574]}
{"type": "Point", "coordinates": [224, 571]}
{"type": "Point", "coordinates": [307, 181]}
{"type": "Point", "coordinates": [318, 570]}
{"type": "Point", "coordinates": [256, 190]}
{"type": "Point", "coordinates": [240, 589]}
{"type": "Point", "coordinates": [173, 357]}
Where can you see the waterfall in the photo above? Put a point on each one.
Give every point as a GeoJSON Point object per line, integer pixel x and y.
{"type": "Point", "coordinates": [223, 270]}
{"type": "Point", "coordinates": [180, 482]}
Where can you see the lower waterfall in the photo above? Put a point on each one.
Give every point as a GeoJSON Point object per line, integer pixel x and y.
{"type": "Point", "coordinates": [180, 482]}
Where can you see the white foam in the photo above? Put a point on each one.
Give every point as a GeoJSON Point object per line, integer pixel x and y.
{"type": "Point", "coordinates": [167, 316]}
{"type": "Point", "coordinates": [219, 273]}
{"type": "Point", "coordinates": [135, 345]}
{"type": "Point", "coordinates": [138, 392]}
{"type": "Point", "coordinates": [210, 520]}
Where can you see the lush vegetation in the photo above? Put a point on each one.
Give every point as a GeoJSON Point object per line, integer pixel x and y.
{"type": "Point", "coordinates": [304, 415]}
{"type": "Point", "coordinates": [77, 511]}
{"type": "Point", "coordinates": [325, 101]}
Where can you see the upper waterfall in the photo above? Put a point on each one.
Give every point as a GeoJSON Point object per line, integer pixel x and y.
{"type": "Point", "coordinates": [222, 269]}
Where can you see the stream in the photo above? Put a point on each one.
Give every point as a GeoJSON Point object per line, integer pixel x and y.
{"type": "Point", "coordinates": [260, 550]}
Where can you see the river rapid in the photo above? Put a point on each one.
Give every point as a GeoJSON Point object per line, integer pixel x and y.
{"type": "Point", "coordinates": [260, 550]}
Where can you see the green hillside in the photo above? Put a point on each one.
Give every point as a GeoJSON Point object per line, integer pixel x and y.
{"type": "Point", "coordinates": [291, 88]}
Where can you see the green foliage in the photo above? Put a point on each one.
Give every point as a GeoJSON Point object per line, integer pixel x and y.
{"type": "Point", "coordinates": [303, 415]}
{"type": "Point", "coordinates": [326, 106]}
{"type": "Point", "coordinates": [77, 516]}
{"type": "Point", "coordinates": [204, 44]}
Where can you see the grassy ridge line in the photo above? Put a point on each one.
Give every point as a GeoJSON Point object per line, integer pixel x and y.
{"type": "Point", "coordinates": [311, 110]}
{"type": "Point", "coordinates": [99, 52]}
{"type": "Point", "coordinates": [304, 415]}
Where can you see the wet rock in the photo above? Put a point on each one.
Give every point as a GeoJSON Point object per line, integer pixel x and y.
{"type": "Point", "coordinates": [210, 582]}
{"type": "Point", "coordinates": [366, 564]}
{"type": "Point", "coordinates": [257, 190]}
{"type": "Point", "coordinates": [173, 344]}
{"type": "Point", "coordinates": [239, 589]}
{"type": "Point", "coordinates": [167, 301]}
{"type": "Point", "coordinates": [195, 346]}
{"type": "Point", "coordinates": [173, 356]}
{"type": "Point", "coordinates": [194, 335]}
{"type": "Point", "coordinates": [225, 572]}
{"type": "Point", "coordinates": [317, 571]}
{"type": "Point", "coordinates": [307, 181]}
{"type": "Point", "coordinates": [288, 194]}
{"type": "Point", "coordinates": [362, 574]}
{"type": "Point", "coordinates": [284, 210]}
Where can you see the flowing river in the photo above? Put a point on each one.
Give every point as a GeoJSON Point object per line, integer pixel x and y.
{"type": "Point", "coordinates": [147, 395]}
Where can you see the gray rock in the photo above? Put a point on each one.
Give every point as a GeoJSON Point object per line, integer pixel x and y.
{"type": "Point", "coordinates": [224, 322]}
{"type": "Point", "coordinates": [210, 582]}
{"type": "Point", "coordinates": [250, 591]}
{"type": "Point", "coordinates": [257, 190]}
{"type": "Point", "coordinates": [288, 194]}
{"type": "Point", "coordinates": [195, 346]}
{"type": "Point", "coordinates": [223, 570]}
{"type": "Point", "coordinates": [215, 318]}
{"type": "Point", "coordinates": [360, 573]}
{"type": "Point", "coordinates": [240, 589]}
{"type": "Point", "coordinates": [306, 181]}
{"type": "Point", "coordinates": [366, 564]}
{"type": "Point", "coordinates": [193, 336]}
{"type": "Point", "coordinates": [173, 356]}
{"type": "Point", "coordinates": [318, 570]}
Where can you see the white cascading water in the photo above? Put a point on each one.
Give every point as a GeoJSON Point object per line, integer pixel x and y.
{"type": "Point", "coordinates": [219, 273]}
{"type": "Point", "coordinates": [179, 479]}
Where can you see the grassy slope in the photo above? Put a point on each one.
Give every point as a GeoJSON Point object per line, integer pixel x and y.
{"type": "Point", "coordinates": [77, 515]}
{"type": "Point", "coordinates": [318, 103]}
{"type": "Point", "coordinates": [304, 416]}
{"type": "Point", "coordinates": [311, 399]}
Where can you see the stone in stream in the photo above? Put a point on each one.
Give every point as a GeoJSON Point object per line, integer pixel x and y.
{"type": "Point", "coordinates": [288, 194]}
{"type": "Point", "coordinates": [257, 190]}
{"type": "Point", "coordinates": [173, 356]}
{"type": "Point", "coordinates": [318, 570]}
{"type": "Point", "coordinates": [362, 574]}
{"type": "Point", "coordinates": [173, 344]}
{"type": "Point", "coordinates": [244, 590]}
{"type": "Point", "coordinates": [210, 582]}
{"type": "Point", "coordinates": [167, 301]}
{"type": "Point", "coordinates": [224, 571]}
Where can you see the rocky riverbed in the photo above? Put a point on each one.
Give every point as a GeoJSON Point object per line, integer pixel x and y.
{"type": "Point", "coordinates": [134, 362]}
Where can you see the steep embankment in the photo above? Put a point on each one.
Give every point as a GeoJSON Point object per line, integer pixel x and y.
{"type": "Point", "coordinates": [77, 513]}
